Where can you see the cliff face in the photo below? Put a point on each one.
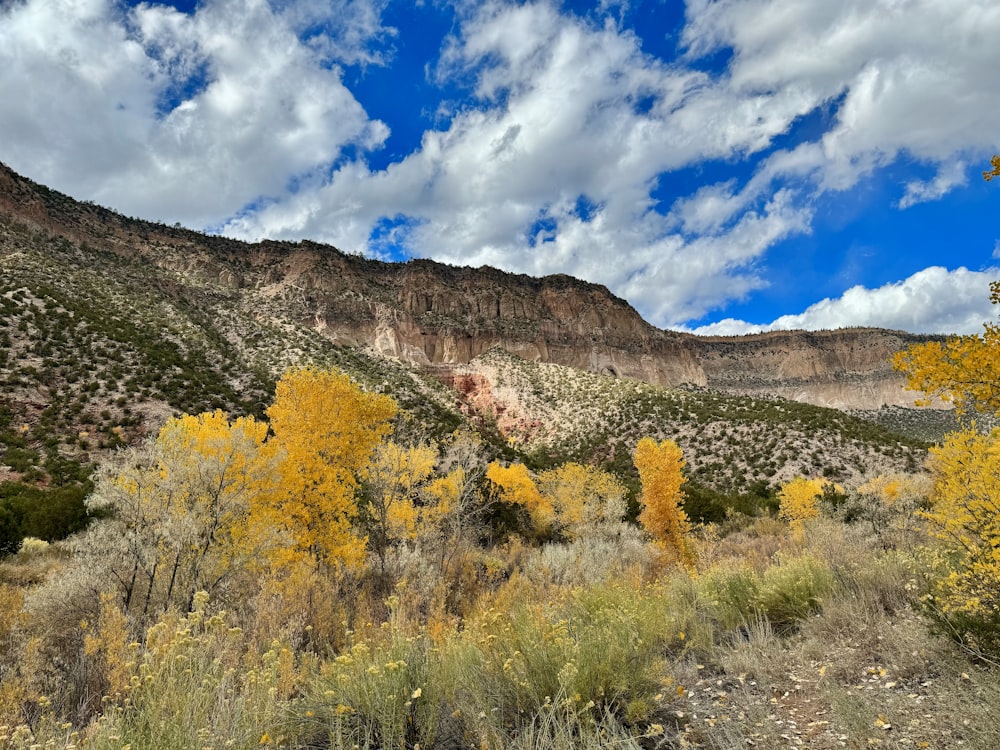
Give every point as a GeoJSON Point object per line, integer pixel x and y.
{"type": "Point", "coordinates": [431, 314]}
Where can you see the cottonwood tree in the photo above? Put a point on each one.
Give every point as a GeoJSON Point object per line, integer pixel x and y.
{"type": "Point", "coordinates": [799, 499]}
{"type": "Point", "coordinates": [181, 506]}
{"type": "Point", "coordinates": [515, 485]}
{"type": "Point", "coordinates": [395, 507]}
{"type": "Point", "coordinates": [326, 430]}
{"type": "Point", "coordinates": [586, 501]}
{"type": "Point", "coordinates": [961, 370]}
{"type": "Point", "coordinates": [965, 516]}
{"type": "Point", "coordinates": [965, 501]}
{"type": "Point", "coordinates": [660, 468]}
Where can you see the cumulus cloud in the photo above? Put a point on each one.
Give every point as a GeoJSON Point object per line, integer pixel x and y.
{"type": "Point", "coordinates": [934, 300]}
{"type": "Point", "coordinates": [237, 118]}
{"type": "Point", "coordinates": [947, 178]}
{"type": "Point", "coordinates": [174, 116]}
{"type": "Point", "coordinates": [914, 77]}
{"type": "Point", "coordinates": [568, 111]}
{"type": "Point", "coordinates": [573, 128]}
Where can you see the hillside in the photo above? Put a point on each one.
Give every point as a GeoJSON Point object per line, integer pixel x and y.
{"type": "Point", "coordinates": [467, 618]}
{"type": "Point", "coordinates": [110, 325]}
{"type": "Point", "coordinates": [424, 312]}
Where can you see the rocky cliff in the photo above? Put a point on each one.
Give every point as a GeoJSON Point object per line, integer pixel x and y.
{"type": "Point", "coordinates": [436, 315]}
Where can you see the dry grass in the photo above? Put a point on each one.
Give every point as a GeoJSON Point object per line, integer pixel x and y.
{"type": "Point", "coordinates": [777, 641]}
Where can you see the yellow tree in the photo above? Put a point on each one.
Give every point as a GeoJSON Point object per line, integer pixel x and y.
{"type": "Point", "coordinates": [516, 486]}
{"type": "Point", "coordinates": [965, 502]}
{"type": "Point", "coordinates": [660, 472]}
{"type": "Point", "coordinates": [585, 500]}
{"type": "Point", "coordinates": [181, 506]}
{"type": "Point", "coordinates": [995, 171]}
{"type": "Point", "coordinates": [394, 481]}
{"type": "Point", "coordinates": [799, 499]}
{"type": "Point", "coordinates": [961, 370]}
{"type": "Point", "coordinates": [458, 493]}
{"type": "Point", "coordinates": [326, 429]}
{"type": "Point", "coordinates": [965, 513]}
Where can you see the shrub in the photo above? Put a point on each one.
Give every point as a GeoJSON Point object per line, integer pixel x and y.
{"type": "Point", "coordinates": [793, 589]}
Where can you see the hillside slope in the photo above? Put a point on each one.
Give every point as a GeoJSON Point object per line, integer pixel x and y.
{"type": "Point", "coordinates": [424, 312]}
{"type": "Point", "coordinates": [109, 325]}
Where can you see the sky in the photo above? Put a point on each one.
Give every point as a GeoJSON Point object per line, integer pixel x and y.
{"type": "Point", "coordinates": [726, 166]}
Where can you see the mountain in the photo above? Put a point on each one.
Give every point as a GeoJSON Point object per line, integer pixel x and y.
{"type": "Point", "coordinates": [427, 313]}
{"type": "Point", "coordinates": [110, 324]}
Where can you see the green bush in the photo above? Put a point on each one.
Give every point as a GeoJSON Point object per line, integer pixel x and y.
{"type": "Point", "coordinates": [793, 589]}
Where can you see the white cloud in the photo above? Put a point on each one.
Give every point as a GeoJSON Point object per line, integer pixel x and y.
{"type": "Point", "coordinates": [934, 300]}
{"type": "Point", "coordinates": [558, 117]}
{"type": "Point", "coordinates": [238, 117]}
{"type": "Point", "coordinates": [566, 111]}
{"type": "Point", "coordinates": [170, 116]}
{"type": "Point", "coordinates": [948, 177]}
{"type": "Point", "coordinates": [915, 77]}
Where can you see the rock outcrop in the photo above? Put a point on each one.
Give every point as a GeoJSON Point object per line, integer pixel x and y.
{"type": "Point", "coordinates": [428, 313]}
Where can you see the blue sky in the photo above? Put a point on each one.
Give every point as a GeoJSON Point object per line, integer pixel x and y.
{"type": "Point", "coordinates": [726, 166]}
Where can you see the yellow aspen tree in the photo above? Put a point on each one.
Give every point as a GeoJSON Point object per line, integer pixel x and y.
{"type": "Point", "coordinates": [393, 482]}
{"type": "Point", "coordinates": [516, 486]}
{"type": "Point", "coordinates": [660, 472]}
{"type": "Point", "coordinates": [326, 429]}
{"type": "Point", "coordinates": [584, 499]}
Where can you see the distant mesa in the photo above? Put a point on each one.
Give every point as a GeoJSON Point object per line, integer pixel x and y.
{"type": "Point", "coordinates": [434, 315]}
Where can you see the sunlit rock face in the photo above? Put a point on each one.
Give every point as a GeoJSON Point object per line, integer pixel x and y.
{"type": "Point", "coordinates": [427, 313]}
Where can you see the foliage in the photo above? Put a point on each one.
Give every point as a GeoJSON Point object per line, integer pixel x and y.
{"type": "Point", "coordinates": [794, 588]}
{"type": "Point", "coordinates": [890, 505]}
{"type": "Point", "coordinates": [800, 498]}
{"type": "Point", "coordinates": [515, 486]}
{"type": "Point", "coordinates": [193, 684]}
{"type": "Point", "coordinates": [659, 466]}
{"type": "Point", "coordinates": [965, 503]}
{"type": "Point", "coordinates": [325, 431]}
{"type": "Point", "coordinates": [181, 507]}
{"type": "Point", "coordinates": [965, 516]}
{"type": "Point", "coordinates": [995, 171]}
{"type": "Point", "coordinates": [585, 500]}
{"type": "Point", "coordinates": [785, 593]}
{"type": "Point", "coordinates": [48, 513]}
{"type": "Point", "coordinates": [399, 500]}
{"type": "Point", "coordinates": [960, 371]}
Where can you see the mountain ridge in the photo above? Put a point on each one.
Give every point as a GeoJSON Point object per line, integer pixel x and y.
{"type": "Point", "coordinates": [431, 314]}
